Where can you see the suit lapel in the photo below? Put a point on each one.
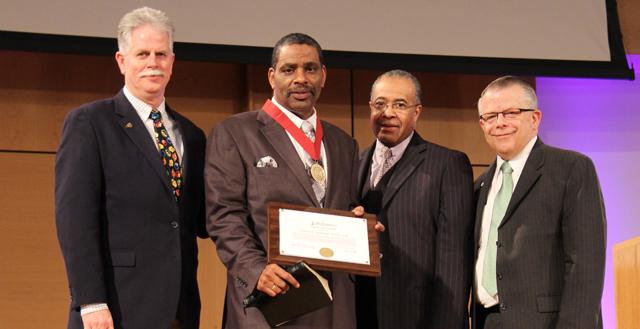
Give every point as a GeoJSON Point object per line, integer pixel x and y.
{"type": "Point", "coordinates": [411, 159]}
{"type": "Point", "coordinates": [332, 148]}
{"type": "Point", "coordinates": [363, 170]}
{"type": "Point", "coordinates": [280, 142]}
{"type": "Point", "coordinates": [483, 195]}
{"type": "Point", "coordinates": [134, 128]}
{"type": "Point", "coordinates": [530, 174]}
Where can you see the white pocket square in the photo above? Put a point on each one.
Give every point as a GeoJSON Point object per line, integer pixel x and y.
{"type": "Point", "coordinates": [267, 162]}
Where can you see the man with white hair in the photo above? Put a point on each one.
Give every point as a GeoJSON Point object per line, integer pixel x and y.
{"type": "Point", "coordinates": [129, 194]}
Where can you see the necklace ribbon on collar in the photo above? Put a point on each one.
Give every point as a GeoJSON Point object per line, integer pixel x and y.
{"type": "Point", "coordinates": [312, 148]}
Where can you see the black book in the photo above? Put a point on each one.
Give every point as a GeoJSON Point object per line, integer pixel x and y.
{"type": "Point", "coordinates": [314, 293]}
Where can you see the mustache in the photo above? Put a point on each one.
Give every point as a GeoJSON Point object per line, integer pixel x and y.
{"type": "Point", "coordinates": [384, 122]}
{"type": "Point", "coordinates": [301, 89]}
{"type": "Point", "coordinates": [147, 73]}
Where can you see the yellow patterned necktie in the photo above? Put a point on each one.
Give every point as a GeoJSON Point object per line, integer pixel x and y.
{"type": "Point", "coordinates": [168, 153]}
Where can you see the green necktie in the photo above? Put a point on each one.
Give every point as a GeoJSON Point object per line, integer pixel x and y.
{"type": "Point", "coordinates": [499, 209]}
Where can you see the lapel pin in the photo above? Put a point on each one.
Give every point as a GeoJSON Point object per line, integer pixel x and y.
{"type": "Point", "coordinates": [128, 125]}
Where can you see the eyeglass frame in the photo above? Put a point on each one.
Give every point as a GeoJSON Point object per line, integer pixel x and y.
{"type": "Point", "coordinates": [393, 105]}
{"type": "Point", "coordinates": [495, 115]}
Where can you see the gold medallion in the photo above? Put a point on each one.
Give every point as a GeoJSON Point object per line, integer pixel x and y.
{"type": "Point", "coordinates": [326, 252]}
{"type": "Point", "coordinates": [317, 173]}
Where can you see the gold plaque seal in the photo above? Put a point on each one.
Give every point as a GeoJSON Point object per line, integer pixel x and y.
{"type": "Point", "coordinates": [326, 252]}
{"type": "Point", "coordinates": [317, 173]}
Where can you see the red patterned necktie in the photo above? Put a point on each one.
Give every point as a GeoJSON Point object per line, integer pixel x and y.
{"type": "Point", "coordinates": [168, 153]}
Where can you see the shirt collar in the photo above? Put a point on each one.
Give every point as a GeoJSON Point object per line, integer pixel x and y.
{"type": "Point", "coordinates": [396, 151]}
{"type": "Point", "coordinates": [143, 109]}
{"type": "Point", "coordinates": [518, 162]}
{"type": "Point", "coordinates": [297, 121]}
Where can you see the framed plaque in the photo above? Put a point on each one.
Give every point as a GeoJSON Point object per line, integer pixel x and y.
{"type": "Point", "coordinates": [326, 239]}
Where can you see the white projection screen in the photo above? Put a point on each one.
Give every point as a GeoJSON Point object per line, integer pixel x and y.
{"type": "Point", "coordinates": [542, 37]}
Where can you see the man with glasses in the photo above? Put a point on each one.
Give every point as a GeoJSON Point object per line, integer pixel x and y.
{"type": "Point", "coordinates": [423, 195]}
{"type": "Point", "coordinates": [540, 223]}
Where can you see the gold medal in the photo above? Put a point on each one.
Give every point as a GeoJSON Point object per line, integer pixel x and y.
{"type": "Point", "coordinates": [317, 173]}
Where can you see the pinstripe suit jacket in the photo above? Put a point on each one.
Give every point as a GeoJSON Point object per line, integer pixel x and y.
{"type": "Point", "coordinates": [237, 194]}
{"type": "Point", "coordinates": [427, 209]}
{"type": "Point", "coordinates": [550, 260]}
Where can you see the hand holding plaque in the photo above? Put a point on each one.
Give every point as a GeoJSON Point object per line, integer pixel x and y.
{"type": "Point", "coordinates": [326, 239]}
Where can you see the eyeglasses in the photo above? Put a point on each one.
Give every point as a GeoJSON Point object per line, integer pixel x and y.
{"type": "Point", "coordinates": [510, 114]}
{"type": "Point", "coordinates": [380, 106]}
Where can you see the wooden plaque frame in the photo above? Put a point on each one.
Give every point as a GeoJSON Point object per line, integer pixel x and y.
{"type": "Point", "coordinates": [273, 237]}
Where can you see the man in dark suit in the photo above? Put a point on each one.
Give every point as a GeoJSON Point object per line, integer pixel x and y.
{"type": "Point", "coordinates": [422, 194]}
{"type": "Point", "coordinates": [540, 223]}
{"type": "Point", "coordinates": [130, 194]}
{"type": "Point", "coordinates": [253, 159]}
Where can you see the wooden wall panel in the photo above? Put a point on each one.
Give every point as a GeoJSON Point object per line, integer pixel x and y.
{"type": "Point", "coordinates": [629, 11]}
{"type": "Point", "coordinates": [212, 282]}
{"type": "Point", "coordinates": [626, 267]}
{"type": "Point", "coordinates": [33, 285]}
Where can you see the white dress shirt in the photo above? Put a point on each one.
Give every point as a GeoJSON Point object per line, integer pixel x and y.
{"type": "Point", "coordinates": [517, 164]}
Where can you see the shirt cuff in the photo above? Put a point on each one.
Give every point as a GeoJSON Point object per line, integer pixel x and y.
{"type": "Point", "coordinates": [90, 308]}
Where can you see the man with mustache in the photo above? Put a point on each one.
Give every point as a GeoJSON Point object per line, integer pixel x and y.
{"type": "Point", "coordinates": [422, 194]}
{"type": "Point", "coordinates": [130, 194]}
{"type": "Point", "coordinates": [540, 223]}
{"type": "Point", "coordinates": [269, 155]}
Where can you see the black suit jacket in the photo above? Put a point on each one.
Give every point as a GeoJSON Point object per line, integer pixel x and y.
{"type": "Point", "coordinates": [427, 252]}
{"type": "Point", "coordinates": [237, 196]}
{"type": "Point", "coordinates": [551, 251]}
{"type": "Point", "coordinates": [125, 240]}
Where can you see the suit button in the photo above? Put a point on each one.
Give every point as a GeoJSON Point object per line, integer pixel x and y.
{"type": "Point", "coordinates": [503, 307]}
{"type": "Point", "coordinates": [499, 276]}
{"type": "Point", "coordinates": [174, 224]}
{"type": "Point", "coordinates": [498, 244]}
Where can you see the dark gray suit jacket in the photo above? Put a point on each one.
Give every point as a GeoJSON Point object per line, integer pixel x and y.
{"type": "Point", "coordinates": [125, 240]}
{"type": "Point", "coordinates": [551, 251]}
{"type": "Point", "coordinates": [427, 252]}
{"type": "Point", "coordinates": [237, 196]}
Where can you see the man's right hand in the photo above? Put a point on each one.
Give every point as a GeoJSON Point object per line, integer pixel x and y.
{"type": "Point", "coordinates": [98, 320]}
{"type": "Point", "coordinates": [275, 280]}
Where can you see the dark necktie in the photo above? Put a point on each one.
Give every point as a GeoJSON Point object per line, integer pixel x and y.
{"type": "Point", "coordinates": [168, 153]}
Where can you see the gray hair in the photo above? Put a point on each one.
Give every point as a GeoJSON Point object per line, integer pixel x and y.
{"type": "Point", "coordinates": [141, 17]}
{"type": "Point", "coordinates": [401, 74]}
{"type": "Point", "coordinates": [508, 81]}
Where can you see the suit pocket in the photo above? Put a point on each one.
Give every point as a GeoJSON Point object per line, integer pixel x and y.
{"type": "Point", "coordinates": [123, 258]}
{"type": "Point", "coordinates": [548, 304]}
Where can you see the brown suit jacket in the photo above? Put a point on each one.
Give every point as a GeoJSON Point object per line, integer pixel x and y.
{"type": "Point", "coordinates": [237, 195]}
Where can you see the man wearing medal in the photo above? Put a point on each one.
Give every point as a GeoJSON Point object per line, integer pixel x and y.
{"type": "Point", "coordinates": [284, 153]}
